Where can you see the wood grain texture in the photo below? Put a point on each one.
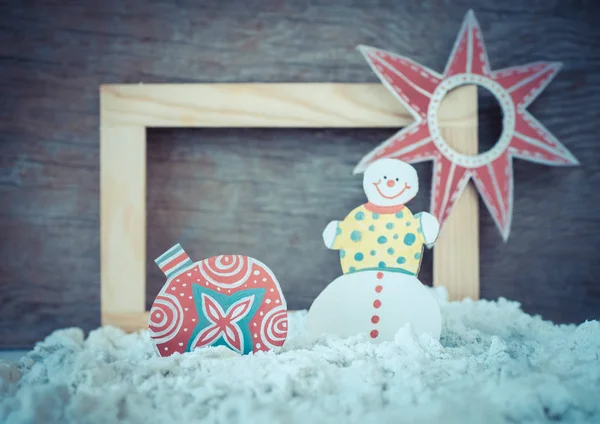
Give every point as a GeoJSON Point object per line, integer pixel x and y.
{"type": "Point", "coordinates": [456, 252]}
{"type": "Point", "coordinates": [55, 55]}
{"type": "Point", "coordinates": [122, 216]}
{"type": "Point", "coordinates": [126, 321]}
{"type": "Point", "coordinates": [284, 105]}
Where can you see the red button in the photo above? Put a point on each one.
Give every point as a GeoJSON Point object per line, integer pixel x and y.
{"type": "Point", "coordinates": [377, 303]}
{"type": "Point", "coordinates": [378, 289]}
{"type": "Point", "coordinates": [374, 334]}
{"type": "Point", "coordinates": [375, 319]}
{"type": "Point", "coordinates": [379, 275]}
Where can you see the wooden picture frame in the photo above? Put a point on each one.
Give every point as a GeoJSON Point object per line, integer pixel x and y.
{"type": "Point", "coordinates": [127, 110]}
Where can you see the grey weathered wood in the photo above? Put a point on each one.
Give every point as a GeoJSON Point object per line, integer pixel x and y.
{"type": "Point", "coordinates": [54, 56]}
{"type": "Point", "coordinates": [263, 193]}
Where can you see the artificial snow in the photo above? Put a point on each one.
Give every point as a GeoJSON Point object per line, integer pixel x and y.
{"type": "Point", "coordinates": [494, 364]}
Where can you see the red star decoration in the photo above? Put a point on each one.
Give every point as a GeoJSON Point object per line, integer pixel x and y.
{"type": "Point", "coordinates": [421, 91]}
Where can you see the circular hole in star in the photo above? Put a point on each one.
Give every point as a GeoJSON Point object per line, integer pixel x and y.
{"type": "Point", "coordinates": [489, 118]}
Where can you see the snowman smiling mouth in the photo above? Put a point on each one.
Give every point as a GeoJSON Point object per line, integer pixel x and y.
{"type": "Point", "coordinates": [406, 187]}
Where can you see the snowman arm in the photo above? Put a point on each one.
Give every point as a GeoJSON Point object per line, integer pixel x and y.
{"type": "Point", "coordinates": [430, 228]}
{"type": "Point", "coordinates": [330, 233]}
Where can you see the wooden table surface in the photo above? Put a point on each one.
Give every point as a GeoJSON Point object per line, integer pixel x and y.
{"type": "Point", "coordinates": [268, 193]}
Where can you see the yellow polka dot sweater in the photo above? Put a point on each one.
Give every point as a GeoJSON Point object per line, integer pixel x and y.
{"type": "Point", "coordinates": [372, 237]}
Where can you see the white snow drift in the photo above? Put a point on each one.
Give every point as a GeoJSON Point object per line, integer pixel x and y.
{"type": "Point", "coordinates": [494, 364]}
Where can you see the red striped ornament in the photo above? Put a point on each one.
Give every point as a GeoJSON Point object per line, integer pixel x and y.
{"type": "Point", "coordinates": [229, 300]}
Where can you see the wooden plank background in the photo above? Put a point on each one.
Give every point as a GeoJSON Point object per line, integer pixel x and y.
{"type": "Point", "coordinates": [263, 192]}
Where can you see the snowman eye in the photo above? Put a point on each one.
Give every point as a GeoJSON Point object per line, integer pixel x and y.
{"type": "Point", "coordinates": [384, 177]}
{"type": "Point", "coordinates": [396, 179]}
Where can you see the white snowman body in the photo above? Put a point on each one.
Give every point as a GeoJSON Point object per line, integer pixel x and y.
{"type": "Point", "coordinates": [378, 302]}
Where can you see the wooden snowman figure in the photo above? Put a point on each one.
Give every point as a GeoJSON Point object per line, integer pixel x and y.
{"type": "Point", "coordinates": [381, 244]}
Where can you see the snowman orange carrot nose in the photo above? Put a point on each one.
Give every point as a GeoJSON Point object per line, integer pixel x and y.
{"type": "Point", "coordinates": [391, 183]}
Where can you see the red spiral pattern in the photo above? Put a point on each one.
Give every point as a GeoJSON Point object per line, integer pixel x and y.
{"type": "Point", "coordinates": [226, 270]}
{"type": "Point", "coordinates": [166, 318]}
{"type": "Point", "coordinates": [274, 327]}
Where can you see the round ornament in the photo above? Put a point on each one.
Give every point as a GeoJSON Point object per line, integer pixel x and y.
{"type": "Point", "coordinates": [229, 300]}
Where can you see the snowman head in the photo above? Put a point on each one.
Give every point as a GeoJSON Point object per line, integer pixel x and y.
{"type": "Point", "coordinates": [390, 182]}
